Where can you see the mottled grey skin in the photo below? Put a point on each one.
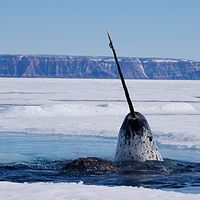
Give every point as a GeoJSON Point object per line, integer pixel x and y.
{"type": "Point", "coordinates": [135, 140]}
{"type": "Point", "coordinates": [90, 165]}
{"type": "Point", "coordinates": [97, 166]}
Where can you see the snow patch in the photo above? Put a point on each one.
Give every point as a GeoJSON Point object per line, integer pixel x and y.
{"type": "Point", "coordinates": [69, 191]}
{"type": "Point", "coordinates": [78, 109]}
{"type": "Point", "coordinates": [169, 108]}
{"type": "Point", "coordinates": [165, 60]}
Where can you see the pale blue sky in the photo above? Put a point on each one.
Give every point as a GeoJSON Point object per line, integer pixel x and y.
{"type": "Point", "coordinates": [139, 28]}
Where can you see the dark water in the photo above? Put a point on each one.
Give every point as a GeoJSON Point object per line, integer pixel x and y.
{"type": "Point", "coordinates": [42, 158]}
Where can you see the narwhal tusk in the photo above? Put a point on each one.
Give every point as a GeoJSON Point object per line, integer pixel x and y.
{"type": "Point", "coordinates": [122, 78]}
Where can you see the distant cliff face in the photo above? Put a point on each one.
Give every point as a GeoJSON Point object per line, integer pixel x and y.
{"type": "Point", "coordinates": [96, 67]}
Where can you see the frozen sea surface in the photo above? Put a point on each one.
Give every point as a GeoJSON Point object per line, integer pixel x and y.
{"type": "Point", "coordinates": [69, 191]}
{"type": "Point", "coordinates": [58, 119]}
{"type": "Point", "coordinates": [98, 107]}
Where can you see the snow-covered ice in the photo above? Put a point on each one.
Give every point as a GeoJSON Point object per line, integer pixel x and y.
{"type": "Point", "coordinates": [69, 191]}
{"type": "Point", "coordinates": [98, 107]}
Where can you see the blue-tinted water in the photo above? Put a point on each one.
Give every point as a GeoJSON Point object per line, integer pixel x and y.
{"type": "Point", "coordinates": [28, 147]}
{"type": "Point", "coordinates": [39, 157]}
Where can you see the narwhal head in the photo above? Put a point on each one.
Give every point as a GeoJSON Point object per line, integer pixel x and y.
{"type": "Point", "coordinates": [135, 141]}
{"type": "Point", "coordinates": [136, 125]}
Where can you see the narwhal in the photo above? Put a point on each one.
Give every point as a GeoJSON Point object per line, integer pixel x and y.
{"type": "Point", "coordinates": [135, 140]}
{"type": "Point", "coordinates": [135, 145]}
